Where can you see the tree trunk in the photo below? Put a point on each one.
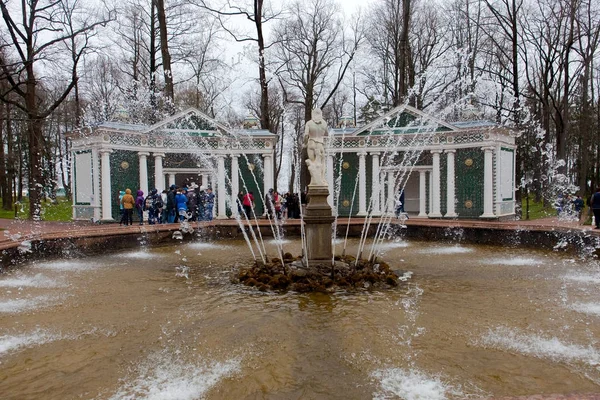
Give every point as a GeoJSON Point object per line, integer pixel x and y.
{"type": "Point", "coordinates": [4, 189]}
{"type": "Point", "coordinates": [164, 49]}
{"type": "Point", "coordinates": [404, 52]}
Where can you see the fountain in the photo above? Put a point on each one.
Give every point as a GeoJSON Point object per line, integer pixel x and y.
{"type": "Point", "coordinates": [462, 321]}
{"type": "Point", "coordinates": [318, 218]}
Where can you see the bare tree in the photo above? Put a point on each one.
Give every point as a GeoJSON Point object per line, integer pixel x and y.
{"type": "Point", "coordinates": [36, 33]}
{"type": "Point", "coordinates": [258, 13]}
{"type": "Point", "coordinates": [314, 52]}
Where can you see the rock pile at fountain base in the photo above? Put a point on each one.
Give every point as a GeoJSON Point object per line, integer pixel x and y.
{"type": "Point", "coordinates": [291, 274]}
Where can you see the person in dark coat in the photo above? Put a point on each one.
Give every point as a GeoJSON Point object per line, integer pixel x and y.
{"type": "Point", "coordinates": [192, 203]}
{"type": "Point", "coordinates": [209, 203]}
{"type": "Point", "coordinates": [139, 205]}
{"type": "Point", "coordinates": [171, 205]}
{"type": "Point", "coordinates": [595, 205]}
{"type": "Point", "coordinates": [151, 205]}
{"type": "Point", "coordinates": [201, 203]}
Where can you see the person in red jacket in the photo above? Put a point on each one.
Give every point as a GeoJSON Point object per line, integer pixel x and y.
{"type": "Point", "coordinates": [248, 204]}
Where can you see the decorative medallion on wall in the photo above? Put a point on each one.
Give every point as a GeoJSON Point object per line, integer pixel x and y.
{"type": "Point", "coordinates": [159, 142]}
{"type": "Point", "coordinates": [486, 136]}
{"type": "Point", "coordinates": [375, 142]}
{"type": "Point", "coordinates": [345, 165]}
{"type": "Point", "coordinates": [361, 142]}
{"type": "Point", "coordinates": [436, 139]}
{"type": "Point", "coordinates": [124, 165]}
{"type": "Point", "coordinates": [468, 204]}
{"type": "Point", "coordinates": [268, 144]}
{"type": "Point", "coordinates": [251, 166]}
{"type": "Point", "coordinates": [469, 162]}
{"type": "Point", "coordinates": [450, 139]}
{"type": "Point", "coordinates": [144, 142]}
{"type": "Point", "coordinates": [106, 138]}
{"type": "Point", "coordinates": [346, 203]}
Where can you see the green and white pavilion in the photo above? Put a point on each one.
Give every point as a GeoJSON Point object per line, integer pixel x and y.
{"type": "Point", "coordinates": [187, 148]}
{"type": "Point", "coordinates": [447, 170]}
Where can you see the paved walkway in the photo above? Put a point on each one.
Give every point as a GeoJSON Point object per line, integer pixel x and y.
{"type": "Point", "coordinates": [16, 231]}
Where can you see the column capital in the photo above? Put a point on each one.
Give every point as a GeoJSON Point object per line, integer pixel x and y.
{"type": "Point", "coordinates": [488, 149]}
{"type": "Point", "coordinates": [143, 154]}
{"type": "Point", "coordinates": [450, 151]}
{"type": "Point", "coordinates": [436, 151]}
{"type": "Point", "coordinates": [267, 155]}
{"type": "Point", "coordinates": [235, 155]}
{"type": "Point", "coordinates": [159, 155]}
{"type": "Point", "coordinates": [375, 153]}
{"type": "Point", "coordinates": [362, 153]}
{"type": "Point", "coordinates": [105, 151]}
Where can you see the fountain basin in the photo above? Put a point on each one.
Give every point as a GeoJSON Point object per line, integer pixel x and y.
{"type": "Point", "coordinates": [472, 321]}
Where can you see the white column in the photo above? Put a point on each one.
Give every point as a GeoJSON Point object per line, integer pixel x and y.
{"type": "Point", "coordinates": [221, 189]}
{"type": "Point", "coordinates": [382, 197]}
{"type": "Point", "coordinates": [159, 177]}
{"type": "Point", "coordinates": [106, 186]}
{"type": "Point", "coordinates": [391, 193]}
{"type": "Point", "coordinates": [204, 180]}
{"type": "Point", "coordinates": [143, 158]}
{"type": "Point", "coordinates": [267, 173]}
{"type": "Point", "coordinates": [96, 201]}
{"type": "Point", "coordinates": [375, 184]}
{"type": "Point", "coordinates": [362, 184]}
{"type": "Point", "coordinates": [450, 185]}
{"type": "Point", "coordinates": [436, 186]}
{"type": "Point", "coordinates": [171, 179]}
{"type": "Point", "coordinates": [330, 182]}
{"type": "Point", "coordinates": [422, 193]}
{"type": "Point", "coordinates": [430, 174]}
{"type": "Point", "coordinates": [235, 182]}
{"type": "Point", "coordinates": [488, 183]}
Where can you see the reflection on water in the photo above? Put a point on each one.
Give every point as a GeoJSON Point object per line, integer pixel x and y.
{"type": "Point", "coordinates": [166, 323]}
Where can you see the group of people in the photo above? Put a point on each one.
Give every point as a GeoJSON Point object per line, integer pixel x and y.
{"type": "Point", "coordinates": [570, 206]}
{"type": "Point", "coordinates": [277, 206]}
{"type": "Point", "coordinates": [176, 204]}
{"type": "Point", "coordinates": [197, 203]}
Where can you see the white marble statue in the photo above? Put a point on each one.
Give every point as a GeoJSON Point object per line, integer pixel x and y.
{"type": "Point", "coordinates": [314, 138]}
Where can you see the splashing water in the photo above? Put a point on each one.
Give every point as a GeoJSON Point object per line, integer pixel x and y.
{"type": "Point", "coordinates": [541, 347]}
{"type": "Point", "coordinates": [586, 308]}
{"type": "Point", "coordinates": [412, 385]}
{"type": "Point", "coordinates": [584, 278]}
{"type": "Point", "coordinates": [68, 265]}
{"type": "Point", "coordinates": [163, 376]}
{"type": "Point", "coordinates": [11, 343]}
{"type": "Point", "coordinates": [513, 261]}
{"type": "Point", "coordinates": [138, 255]}
{"type": "Point", "coordinates": [37, 281]}
{"type": "Point", "coordinates": [446, 250]}
{"type": "Point", "coordinates": [22, 305]}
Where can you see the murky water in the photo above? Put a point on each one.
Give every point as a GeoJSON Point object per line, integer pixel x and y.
{"type": "Point", "coordinates": [165, 323]}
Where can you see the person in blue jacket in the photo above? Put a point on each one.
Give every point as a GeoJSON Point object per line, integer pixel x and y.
{"type": "Point", "coordinates": [181, 201]}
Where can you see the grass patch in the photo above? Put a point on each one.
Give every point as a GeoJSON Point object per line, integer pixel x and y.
{"type": "Point", "coordinates": [537, 210]}
{"type": "Point", "coordinates": [59, 211]}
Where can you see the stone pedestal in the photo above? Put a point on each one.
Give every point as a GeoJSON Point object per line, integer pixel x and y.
{"type": "Point", "coordinates": [317, 225]}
